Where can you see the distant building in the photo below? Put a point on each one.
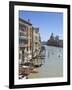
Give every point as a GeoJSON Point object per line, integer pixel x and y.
{"type": "Point", "coordinates": [57, 38]}
{"type": "Point", "coordinates": [52, 37]}
{"type": "Point", "coordinates": [55, 41]}
{"type": "Point", "coordinates": [61, 43]}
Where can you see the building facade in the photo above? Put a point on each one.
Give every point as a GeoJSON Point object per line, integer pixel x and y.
{"type": "Point", "coordinates": [36, 41]}
{"type": "Point", "coordinates": [24, 40]}
{"type": "Point", "coordinates": [29, 41]}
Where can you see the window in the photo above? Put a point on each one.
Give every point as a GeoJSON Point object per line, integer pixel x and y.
{"type": "Point", "coordinates": [36, 30]}
{"type": "Point", "coordinates": [30, 32]}
{"type": "Point", "coordinates": [27, 48]}
{"type": "Point", "coordinates": [19, 55]}
{"type": "Point", "coordinates": [21, 41]}
{"type": "Point", "coordinates": [35, 37]}
{"type": "Point", "coordinates": [23, 28]}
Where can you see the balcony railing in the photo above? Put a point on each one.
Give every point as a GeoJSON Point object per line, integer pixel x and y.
{"type": "Point", "coordinates": [23, 45]}
{"type": "Point", "coordinates": [23, 37]}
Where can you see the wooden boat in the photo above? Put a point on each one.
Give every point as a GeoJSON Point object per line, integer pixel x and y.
{"type": "Point", "coordinates": [38, 65]}
{"type": "Point", "coordinates": [24, 70]}
{"type": "Point", "coordinates": [34, 71]}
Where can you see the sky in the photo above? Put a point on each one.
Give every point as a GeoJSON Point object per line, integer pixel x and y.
{"type": "Point", "coordinates": [48, 22]}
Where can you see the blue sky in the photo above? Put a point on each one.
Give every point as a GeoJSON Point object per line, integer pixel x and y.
{"type": "Point", "coordinates": [48, 22]}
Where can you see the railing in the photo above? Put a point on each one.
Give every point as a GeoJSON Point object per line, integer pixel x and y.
{"type": "Point", "coordinates": [23, 37]}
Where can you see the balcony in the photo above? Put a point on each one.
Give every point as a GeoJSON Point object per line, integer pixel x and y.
{"type": "Point", "coordinates": [22, 46]}
{"type": "Point", "coordinates": [23, 37]}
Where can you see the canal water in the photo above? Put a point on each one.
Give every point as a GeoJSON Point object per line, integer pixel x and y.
{"type": "Point", "coordinates": [52, 64]}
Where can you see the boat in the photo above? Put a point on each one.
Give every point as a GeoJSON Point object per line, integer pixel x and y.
{"type": "Point", "coordinates": [34, 71]}
{"type": "Point", "coordinates": [24, 70]}
{"type": "Point", "coordinates": [38, 65]}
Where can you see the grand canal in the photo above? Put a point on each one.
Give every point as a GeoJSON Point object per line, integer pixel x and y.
{"type": "Point", "coordinates": [52, 64]}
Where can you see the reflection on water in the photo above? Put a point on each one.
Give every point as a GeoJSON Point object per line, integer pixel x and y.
{"type": "Point", "coordinates": [52, 64]}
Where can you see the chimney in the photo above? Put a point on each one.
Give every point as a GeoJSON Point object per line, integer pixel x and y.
{"type": "Point", "coordinates": [29, 21]}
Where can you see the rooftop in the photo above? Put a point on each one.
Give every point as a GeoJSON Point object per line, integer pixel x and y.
{"type": "Point", "coordinates": [27, 22]}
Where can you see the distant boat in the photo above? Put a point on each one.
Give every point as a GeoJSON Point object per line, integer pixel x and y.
{"type": "Point", "coordinates": [43, 52]}
{"type": "Point", "coordinates": [42, 48]}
